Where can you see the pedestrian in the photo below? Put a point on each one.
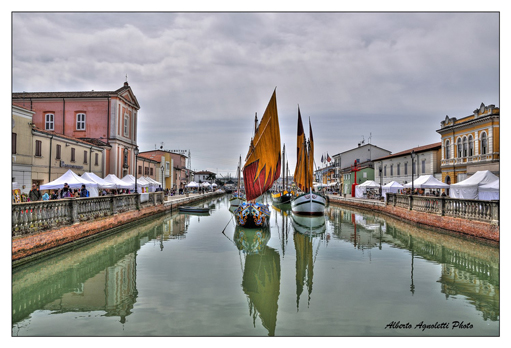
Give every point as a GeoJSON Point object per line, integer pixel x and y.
{"type": "Point", "coordinates": [84, 192]}
{"type": "Point", "coordinates": [54, 195]}
{"type": "Point", "coordinates": [46, 196]}
{"type": "Point", "coordinates": [66, 191]}
{"type": "Point", "coordinates": [34, 194]}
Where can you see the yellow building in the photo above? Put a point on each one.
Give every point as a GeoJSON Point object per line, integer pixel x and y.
{"type": "Point", "coordinates": [470, 144]}
{"type": "Point", "coordinates": [22, 147]}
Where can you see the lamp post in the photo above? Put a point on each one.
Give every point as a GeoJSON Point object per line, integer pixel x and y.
{"type": "Point", "coordinates": [136, 165]}
{"type": "Point", "coordinates": [413, 168]}
{"type": "Point", "coordinates": [381, 177]}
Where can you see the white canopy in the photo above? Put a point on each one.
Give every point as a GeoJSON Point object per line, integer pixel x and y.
{"type": "Point", "coordinates": [119, 184]}
{"type": "Point", "coordinates": [391, 187]}
{"type": "Point", "coordinates": [205, 184]}
{"type": "Point", "coordinates": [142, 184]}
{"type": "Point", "coordinates": [469, 188]}
{"type": "Point", "coordinates": [74, 181]}
{"type": "Point", "coordinates": [490, 192]}
{"type": "Point", "coordinates": [361, 189]}
{"type": "Point", "coordinates": [102, 183]}
{"type": "Point", "coordinates": [426, 181]}
{"type": "Point", "coordinates": [151, 180]}
{"type": "Point", "coordinates": [192, 184]}
{"type": "Point", "coordinates": [370, 184]}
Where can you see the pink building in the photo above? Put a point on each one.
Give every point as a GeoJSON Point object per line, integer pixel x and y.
{"type": "Point", "coordinates": [105, 118]}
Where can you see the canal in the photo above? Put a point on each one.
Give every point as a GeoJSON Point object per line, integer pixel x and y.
{"type": "Point", "coordinates": [348, 273]}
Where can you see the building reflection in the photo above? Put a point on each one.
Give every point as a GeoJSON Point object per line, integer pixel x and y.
{"type": "Point", "coordinates": [100, 276]}
{"type": "Point", "coordinates": [469, 267]}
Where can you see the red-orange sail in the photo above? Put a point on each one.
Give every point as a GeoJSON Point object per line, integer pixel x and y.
{"type": "Point", "coordinates": [263, 161]}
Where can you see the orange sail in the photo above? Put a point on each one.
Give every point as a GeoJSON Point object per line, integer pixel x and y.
{"type": "Point", "coordinates": [304, 171]}
{"type": "Point", "coordinates": [262, 165]}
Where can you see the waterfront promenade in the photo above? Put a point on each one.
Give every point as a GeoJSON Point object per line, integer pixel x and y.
{"type": "Point", "coordinates": [40, 244]}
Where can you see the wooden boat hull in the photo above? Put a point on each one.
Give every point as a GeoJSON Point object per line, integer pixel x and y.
{"type": "Point", "coordinates": [235, 201]}
{"type": "Point", "coordinates": [198, 210]}
{"type": "Point", "coordinates": [309, 203]}
{"type": "Point", "coordinates": [281, 198]}
{"type": "Point", "coordinates": [252, 215]}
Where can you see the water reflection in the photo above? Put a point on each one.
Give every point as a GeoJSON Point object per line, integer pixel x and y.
{"type": "Point", "coordinates": [469, 267]}
{"type": "Point", "coordinates": [288, 272]}
{"type": "Point", "coordinates": [99, 276]}
{"type": "Point", "coordinates": [261, 275]}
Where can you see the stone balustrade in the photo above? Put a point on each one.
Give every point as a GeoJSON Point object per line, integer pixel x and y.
{"type": "Point", "coordinates": [486, 211]}
{"type": "Point", "coordinates": [38, 216]}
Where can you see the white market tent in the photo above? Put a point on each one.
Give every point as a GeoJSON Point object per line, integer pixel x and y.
{"type": "Point", "coordinates": [490, 192]}
{"type": "Point", "coordinates": [142, 185]}
{"type": "Point", "coordinates": [469, 188]}
{"type": "Point", "coordinates": [391, 187]}
{"type": "Point", "coordinates": [427, 182]}
{"type": "Point", "coordinates": [102, 183]}
{"type": "Point", "coordinates": [192, 184]}
{"type": "Point", "coordinates": [74, 181]}
{"type": "Point", "coordinates": [361, 189]}
{"type": "Point", "coordinates": [153, 184]}
{"type": "Point", "coordinates": [205, 184]}
{"type": "Point", "coordinates": [119, 184]}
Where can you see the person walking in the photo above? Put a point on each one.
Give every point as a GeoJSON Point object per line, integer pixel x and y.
{"type": "Point", "coordinates": [34, 194]}
{"type": "Point", "coordinates": [84, 192]}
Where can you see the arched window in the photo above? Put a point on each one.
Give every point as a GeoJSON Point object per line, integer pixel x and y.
{"type": "Point", "coordinates": [470, 146]}
{"type": "Point", "coordinates": [484, 144]}
{"type": "Point", "coordinates": [465, 147]}
{"type": "Point", "coordinates": [459, 147]}
{"type": "Point", "coordinates": [447, 149]}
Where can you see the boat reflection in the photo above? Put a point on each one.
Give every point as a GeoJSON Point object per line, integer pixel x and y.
{"type": "Point", "coordinates": [261, 275]}
{"type": "Point", "coordinates": [309, 225]}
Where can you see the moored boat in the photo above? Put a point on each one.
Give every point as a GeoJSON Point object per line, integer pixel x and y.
{"type": "Point", "coordinates": [261, 169]}
{"type": "Point", "coordinates": [191, 209]}
{"type": "Point", "coordinates": [237, 197]}
{"type": "Point", "coordinates": [282, 196]}
{"type": "Point", "coordinates": [308, 202]}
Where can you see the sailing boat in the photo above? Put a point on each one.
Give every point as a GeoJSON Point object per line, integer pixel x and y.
{"type": "Point", "coordinates": [237, 197]}
{"type": "Point", "coordinates": [261, 169]}
{"type": "Point", "coordinates": [284, 196]}
{"type": "Point", "coordinates": [309, 202]}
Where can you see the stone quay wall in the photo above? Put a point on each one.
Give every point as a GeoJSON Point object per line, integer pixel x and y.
{"type": "Point", "coordinates": [44, 232]}
{"type": "Point", "coordinates": [475, 218]}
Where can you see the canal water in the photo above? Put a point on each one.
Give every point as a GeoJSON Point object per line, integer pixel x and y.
{"type": "Point", "coordinates": [348, 273]}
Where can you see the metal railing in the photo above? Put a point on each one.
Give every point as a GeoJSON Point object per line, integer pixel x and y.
{"type": "Point", "coordinates": [38, 216]}
{"type": "Point", "coordinates": [471, 209]}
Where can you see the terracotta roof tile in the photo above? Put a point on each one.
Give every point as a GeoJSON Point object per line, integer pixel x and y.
{"type": "Point", "coordinates": [417, 149]}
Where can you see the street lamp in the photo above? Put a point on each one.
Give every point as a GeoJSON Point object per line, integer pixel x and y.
{"type": "Point", "coordinates": [136, 165]}
{"type": "Point", "coordinates": [413, 168]}
{"type": "Point", "coordinates": [381, 177]}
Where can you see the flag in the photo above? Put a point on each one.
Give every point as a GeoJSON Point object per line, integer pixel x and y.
{"type": "Point", "coordinates": [328, 157]}
{"type": "Point", "coordinates": [322, 159]}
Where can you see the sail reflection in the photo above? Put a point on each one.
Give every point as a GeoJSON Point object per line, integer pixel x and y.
{"type": "Point", "coordinates": [261, 275]}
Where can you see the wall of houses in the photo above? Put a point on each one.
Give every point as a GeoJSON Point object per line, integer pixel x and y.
{"type": "Point", "coordinates": [22, 148]}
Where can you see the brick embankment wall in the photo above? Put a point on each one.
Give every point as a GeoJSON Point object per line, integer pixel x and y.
{"type": "Point", "coordinates": [469, 227]}
{"type": "Point", "coordinates": [43, 243]}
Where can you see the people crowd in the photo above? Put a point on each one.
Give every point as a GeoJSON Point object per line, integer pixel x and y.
{"type": "Point", "coordinates": [68, 192]}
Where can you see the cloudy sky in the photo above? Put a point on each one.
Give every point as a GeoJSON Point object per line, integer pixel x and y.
{"type": "Point", "coordinates": [387, 78]}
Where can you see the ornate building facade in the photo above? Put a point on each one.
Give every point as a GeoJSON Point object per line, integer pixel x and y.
{"type": "Point", "coordinates": [107, 119]}
{"type": "Point", "coordinates": [470, 144]}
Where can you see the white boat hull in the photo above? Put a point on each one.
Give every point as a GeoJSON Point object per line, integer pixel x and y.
{"type": "Point", "coordinates": [308, 204]}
